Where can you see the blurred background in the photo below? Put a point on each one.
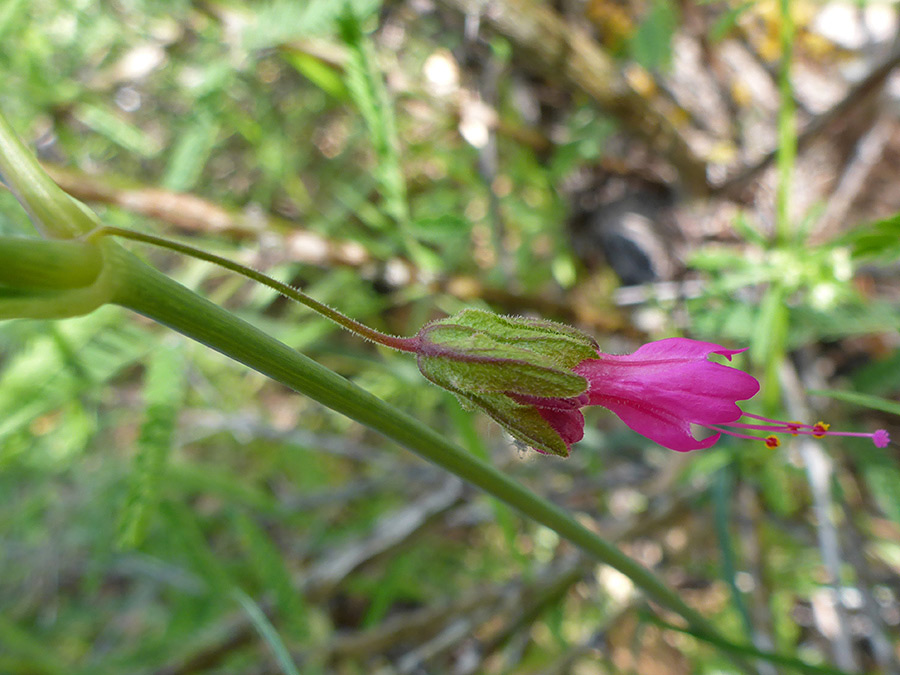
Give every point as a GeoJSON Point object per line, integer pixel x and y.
{"type": "Point", "coordinates": [627, 166]}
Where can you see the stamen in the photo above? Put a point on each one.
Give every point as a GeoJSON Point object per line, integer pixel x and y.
{"type": "Point", "coordinates": [724, 430]}
{"type": "Point", "coordinates": [781, 429]}
{"type": "Point", "coordinates": [880, 437]}
{"type": "Point", "coordinates": [799, 425]}
{"type": "Point", "coordinates": [793, 426]}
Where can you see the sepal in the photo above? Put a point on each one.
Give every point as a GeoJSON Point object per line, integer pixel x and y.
{"type": "Point", "coordinates": [510, 368]}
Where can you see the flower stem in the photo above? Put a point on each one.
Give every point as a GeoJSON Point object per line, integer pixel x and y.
{"type": "Point", "coordinates": [392, 341]}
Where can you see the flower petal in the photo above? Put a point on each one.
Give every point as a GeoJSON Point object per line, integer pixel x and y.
{"type": "Point", "coordinates": [669, 431]}
{"type": "Point", "coordinates": [569, 424]}
{"type": "Point", "coordinates": [665, 386]}
{"type": "Point", "coordinates": [670, 350]}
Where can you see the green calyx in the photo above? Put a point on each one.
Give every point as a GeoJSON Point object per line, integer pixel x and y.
{"type": "Point", "coordinates": [479, 352]}
{"type": "Point", "coordinates": [491, 361]}
{"type": "Point", "coordinates": [521, 421]}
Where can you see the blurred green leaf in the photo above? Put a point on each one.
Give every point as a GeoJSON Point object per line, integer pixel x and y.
{"type": "Point", "coordinates": [270, 568]}
{"type": "Point", "coordinates": [651, 45]}
{"type": "Point", "coordinates": [23, 652]}
{"type": "Point", "coordinates": [882, 475]}
{"type": "Point", "coordinates": [265, 628]}
{"type": "Point", "coordinates": [118, 130]}
{"type": "Point", "coordinates": [321, 74]}
{"type": "Point", "coordinates": [188, 540]}
{"type": "Point", "coordinates": [366, 87]}
{"type": "Point", "coordinates": [190, 154]}
{"type": "Point", "coordinates": [163, 394]}
{"type": "Point", "coordinates": [856, 398]}
{"type": "Point", "coordinates": [727, 21]}
{"type": "Point", "coordinates": [879, 240]}
{"type": "Point", "coordinates": [879, 377]}
{"type": "Point", "coordinates": [38, 380]}
{"type": "Point", "coordinates": [279, 21]}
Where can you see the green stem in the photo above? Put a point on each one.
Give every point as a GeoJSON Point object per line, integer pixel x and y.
{"type": "Point", "coordinates": [787, 133]}
{"type": "Point", "coordinates": [392, 341]}
{"type": "Point", "coordinates": [747, 650]}
{"type": "Point", "coordinates": [54, 212]}
{"type": "Point", "coordinates": [723, 488]}
{"type": "Point", "coordinates": [148, 292]}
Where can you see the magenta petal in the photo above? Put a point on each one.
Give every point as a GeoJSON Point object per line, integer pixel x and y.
{"type": "Point", "coordinates": [669, 431]}
{"type": "Point", "coordinates": [665, 386]}
{"type": "Point", "coordinates": [677, 349]}
{"type": "Point", "coordinates": [569, 424]}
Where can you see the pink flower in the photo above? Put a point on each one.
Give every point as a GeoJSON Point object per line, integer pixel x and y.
{"type": "Point", "coordinates": [665, 387]}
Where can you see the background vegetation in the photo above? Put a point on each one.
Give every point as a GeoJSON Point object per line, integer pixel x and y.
{"type": "Point", "coordinates": [721, 170]}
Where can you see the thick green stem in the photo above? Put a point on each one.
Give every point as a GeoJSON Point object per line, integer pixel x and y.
{"type": "Point", "coordinates": [54, 212]}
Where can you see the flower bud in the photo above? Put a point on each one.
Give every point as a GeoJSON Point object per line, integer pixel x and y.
{"type": "Point", "coordinates": [514, 369]}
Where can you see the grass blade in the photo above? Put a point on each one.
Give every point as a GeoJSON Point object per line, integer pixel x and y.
{"type": "Point", "coordinates": [267, 631]}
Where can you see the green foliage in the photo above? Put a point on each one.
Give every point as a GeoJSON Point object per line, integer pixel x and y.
{"type": "Point", "coordinates": [367, 90]}
{"type": "Point", "coordinates": [879, 240]}
{"type": "Point", "coordinates": [651, 45]}
{"type": "Point", "coordinates": [882, 475]}
{"type": "Point", "coordinates": [120, 132]}
{"type": "Point", "coordinates": [269, 634]}
{"type": "Point", "coordinates": [728, 20]}
{"type": "Point", "coordinates": [163, 393]}
{"type": "Point", "coordinates": [68, 360]}
{"type": "Point", "coordinates": [856, 398]}
{"type": "Point", "coordinates": [272, 574]}
{"type": "Point", "coordinates": [280, 21]}
{"type": "Point", "coordinates": [191, 153]}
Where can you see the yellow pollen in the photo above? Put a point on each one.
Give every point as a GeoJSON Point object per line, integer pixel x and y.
{"type": "Point", "coordinates": [792, 423]}
{"type": "Point", "coordinates": [772, 442]}
{"type": "Point", "coordinates": [820, 429]}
